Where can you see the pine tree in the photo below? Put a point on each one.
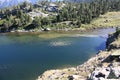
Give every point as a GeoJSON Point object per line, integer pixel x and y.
{"type": "Point", "coordinates": [112, 75]}
{"type": "Point", "coordinates": [37, 22]}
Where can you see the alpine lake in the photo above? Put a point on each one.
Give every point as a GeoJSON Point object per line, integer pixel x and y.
{"type": "Point", "coordinates": [26, 56]}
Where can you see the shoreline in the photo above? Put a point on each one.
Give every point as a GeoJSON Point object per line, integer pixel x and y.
{"type": "Point", "coordinates": [57, 31]}
{"type": "Point", "coordinates": [103, 33]}
{"type": "Point", "coordinates": [88, 69]}
{"type": "Point", "coordinates": [81, 72]}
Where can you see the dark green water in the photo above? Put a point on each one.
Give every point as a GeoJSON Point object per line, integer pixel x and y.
{"type": "Point", "coordinates": [26, 57]}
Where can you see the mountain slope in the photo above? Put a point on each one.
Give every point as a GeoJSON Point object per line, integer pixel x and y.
{"type": "Point", "coordinates": [7, 3]}
{"type": "Point", "coordinates": [79, 0]}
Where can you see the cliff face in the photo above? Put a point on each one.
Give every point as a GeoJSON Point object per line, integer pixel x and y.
{"type": "Point", "coordinates": [97, 68]}
{"type": "Point", "coordinates": [113, 41]}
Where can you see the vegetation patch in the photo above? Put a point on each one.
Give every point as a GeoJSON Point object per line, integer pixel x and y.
{"type": "Point", "coordinates": [60, 15]}
{"type": "Point", "coordinates": [110, 19]}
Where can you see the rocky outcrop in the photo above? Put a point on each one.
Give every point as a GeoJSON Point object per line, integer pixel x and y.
{"type": "Point", "coordinates": [101, 73]}
{"type": "Point", "coordinates": [112, 69]}
{"type": "Point", "coordinates": [113, 41]}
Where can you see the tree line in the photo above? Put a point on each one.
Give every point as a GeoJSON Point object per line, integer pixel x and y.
{"type": "Point", "coordinates": [78, 13]}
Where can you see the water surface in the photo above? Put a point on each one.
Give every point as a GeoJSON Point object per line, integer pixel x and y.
{"type": "Point", "coordinates": [26, 57]}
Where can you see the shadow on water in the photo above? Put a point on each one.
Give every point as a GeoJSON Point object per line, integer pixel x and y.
{"type": "Point", "coordinates": [102, 46]}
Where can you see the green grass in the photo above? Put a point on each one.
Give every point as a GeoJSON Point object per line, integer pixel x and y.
{"type": "Point", "coordinates": [110, 19]}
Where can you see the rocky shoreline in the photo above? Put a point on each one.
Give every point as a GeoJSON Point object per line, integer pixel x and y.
{"type": "Point", "coordinates": [97, 68]}
{"type": "Point", "coordinates": [58, 30]}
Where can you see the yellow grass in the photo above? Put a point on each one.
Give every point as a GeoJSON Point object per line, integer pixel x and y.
{"type": "Point", "coordinates": [110, 19]}
{"type": "Point", "coordinates": [116, 42]}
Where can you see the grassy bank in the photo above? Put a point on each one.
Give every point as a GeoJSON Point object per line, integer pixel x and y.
{"type": "Point", "coordinates": [110, 19]}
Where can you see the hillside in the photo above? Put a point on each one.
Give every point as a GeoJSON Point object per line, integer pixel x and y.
{"type": "Point", "coordinates": [110, 19]}
{"type": "Point", "coordinates": [45, 16]}
{"type": "Point", "coordinates": [7, 3]}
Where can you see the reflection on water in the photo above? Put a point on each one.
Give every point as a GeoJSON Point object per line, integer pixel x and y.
{"type": "Point", "coordinates": [84, 35]}
{"type": "Point", "coordinates": [60, 43]}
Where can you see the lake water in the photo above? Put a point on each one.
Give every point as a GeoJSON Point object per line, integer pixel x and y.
{"type": "Point", "coordinates": [26, 57]}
